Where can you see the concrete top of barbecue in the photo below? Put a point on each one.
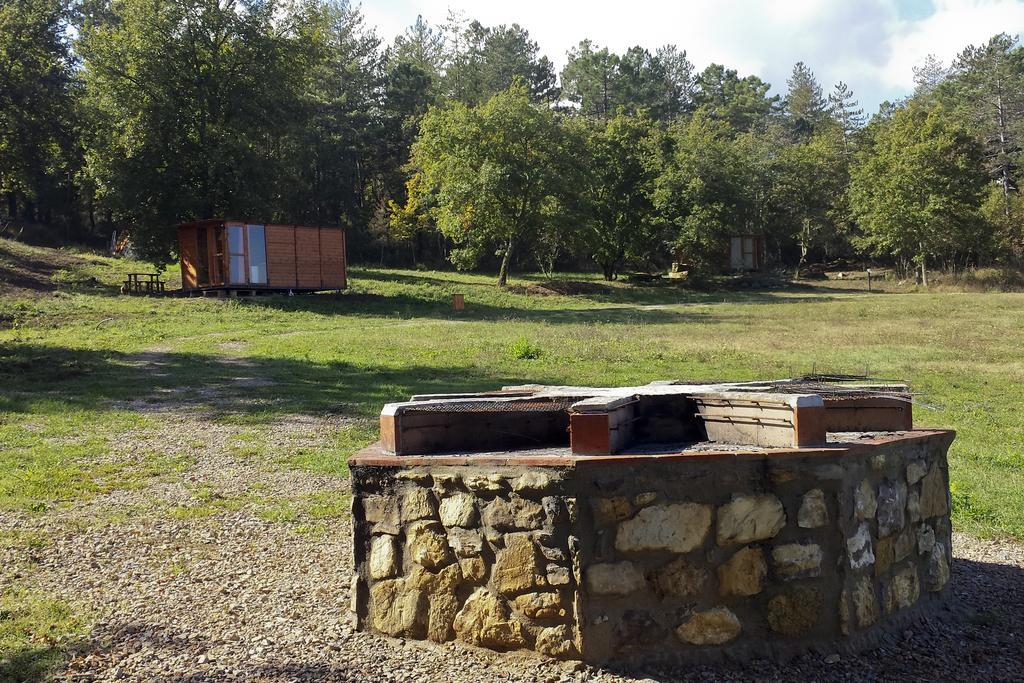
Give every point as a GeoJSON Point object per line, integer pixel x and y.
{"type": "Point", "coordinates": [601, 399]}
{"type": "Point", "coordinates": [839, 443]}
{"type": "Point", "coordinates": [633, 420]}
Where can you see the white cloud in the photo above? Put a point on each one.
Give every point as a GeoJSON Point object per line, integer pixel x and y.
{"type": "Point", "coordinates": [872, 45]}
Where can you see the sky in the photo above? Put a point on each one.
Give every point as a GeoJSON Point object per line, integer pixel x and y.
{"type": "Point", "coordinates": [871, 45]}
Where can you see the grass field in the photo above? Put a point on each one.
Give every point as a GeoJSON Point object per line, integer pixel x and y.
{"type": "Point", "coordinates": [80, 365]}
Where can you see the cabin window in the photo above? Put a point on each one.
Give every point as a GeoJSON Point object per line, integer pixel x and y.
{"type": "Point", "coordinates": [202, 257]}
{"type": "Point", "coordinates": [236, 254]}
{"type": "Point", "coordinates": [257, 255]}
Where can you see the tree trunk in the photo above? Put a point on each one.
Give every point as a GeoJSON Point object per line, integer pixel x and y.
{"type": "Point", "coordinates": [12, 204]}
{"type": "Point", "coordinates": [804, 248]}
{"type": "Point", "coordinates": [924, 269]}
{"type": "Point", "coordinates": [505, 260]}
{"type": "Point", "coordinates": [1004, 181]}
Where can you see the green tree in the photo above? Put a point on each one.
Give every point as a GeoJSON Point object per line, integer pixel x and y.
{"type": "Point", "coordinates": [845, 112]}
{"type": "Point", "coordinates": [337, 164]}
{"type": "Point", "coordinates": [491, 172]}
{"type": "Point", "coordinates": [742, 102]}
{"type": "Point", "coordinates": [481, 61]}
{"type": "Point", "coordinates": [615, 191]}
{"type": "Point", "coordinates": [189, 104]}
{"type": "Point", "coordinates": [39, 154]}
{"type": "Point", "coordinates": [421, 46]}
{"type": "Point", "coordinates": [988, 88]}
{"type": "Point", "coordinates": [916, 189]}
{"type": "Point", "coordinates": [927, 79]}
{"type": "Point", "coordinates": [588, 79]}
{"type": "Point", "coordinates": [601, 82]}
{"type": "Point", "coordinates": [804, 106]}
{"type": "Point", "coordinates": [808, 180]}
{"type": "Point", "coordinates": [680, 80]}
{"type": "Point", "coordinates": [702, 193]}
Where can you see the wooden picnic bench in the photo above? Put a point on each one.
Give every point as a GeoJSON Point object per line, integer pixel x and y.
{"type": "Point", "coordinates": [143, 283]}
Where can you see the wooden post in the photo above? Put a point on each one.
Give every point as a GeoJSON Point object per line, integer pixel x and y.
{"type": "Point", "coordinates": [458, 302]}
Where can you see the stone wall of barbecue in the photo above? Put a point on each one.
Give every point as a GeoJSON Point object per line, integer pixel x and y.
{"type": "Point", "coordinates": [681, 558]}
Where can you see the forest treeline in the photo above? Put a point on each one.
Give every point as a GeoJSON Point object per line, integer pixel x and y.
{"type": "Point", "coordinates": [461, 142]}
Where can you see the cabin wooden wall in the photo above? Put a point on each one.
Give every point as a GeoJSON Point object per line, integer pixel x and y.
{"type": "Point", "coordinates": [307, 257]}
{"type": "Point", "coordinates": [187, 250]}
{"type": "Point", "coordinates": [281, 255]}
{"type": "Point", "coordinates": [332, 258]}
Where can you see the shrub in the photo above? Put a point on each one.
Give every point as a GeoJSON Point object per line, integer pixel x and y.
{"type": "Point", "coordinates": [523, 349]}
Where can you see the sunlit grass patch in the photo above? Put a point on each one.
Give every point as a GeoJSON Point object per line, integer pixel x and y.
{"type": "Point", "coordinates": [36, 632]}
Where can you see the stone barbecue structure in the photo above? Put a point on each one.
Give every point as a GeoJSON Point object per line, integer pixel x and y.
{"type": "Point", "coordinates": [667, 522]}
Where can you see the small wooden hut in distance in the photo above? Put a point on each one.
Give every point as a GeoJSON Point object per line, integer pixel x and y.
{"type": "Point", "coordinates": [746, 252]}
{"type": "Point", "coordinates": [237, 256]}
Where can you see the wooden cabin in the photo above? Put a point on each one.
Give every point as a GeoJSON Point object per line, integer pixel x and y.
{"type": "Point", "coordinates": [746, 252]}
{"type": "Point", "coordinates": [237, 256]}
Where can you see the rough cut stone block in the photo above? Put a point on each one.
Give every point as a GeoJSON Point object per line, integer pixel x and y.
{"type": "Point", "coordinates": [547, 605]}
{"type": "Point", "coordinates": [913, 506]}
{"type": "Point", "coordinates": [934, 494]}
{"type": "Point", "coordinates": [813, 511]}
{"type": "Point", "coordinates": [531, 482]}
{"type": "Point", "coordinates": [884, 554]}
{"type": "Point", "coordinates": [458, 510]}
{"type": "Point", "coordinates": [474, 569]}
{"type": "Point", "coordinates": [715, 626]}
{"type": "Point", "coordinates": [382, 511]}
{"type": "Point", "coordinates": [491, 483]}
{"type": "Point", "coordinates": [637, 630]}
{"type": "Point", "coordinates": [904, 544]}
{"type": "Point", "coordinates": [417, 503]}
{"type": "Point", "coordinates": [484, 620]}
{"type": "Point", "coordinates": [557, 575]}
{"type": "Point", "coordinates": [750, 518]}
{"type": "Point", "coordinates": [743, 573]}
{"type": "Point", "coordinates": [610, 510]}
{"type": "Point", "coordinates": [938, 568]}
{"type": "Point", "coordinates": [445, 580]}
{"type": "Point", "coordinates": [925, 539]}
{"type": "Point", "coordinates": [892, 501]}
{"type": "Point", "coordinates": [511, 514]}
{"type": "Point", "coordinates": [916, 469]}
{"type": "Point", "coordinates": [679, 578]}
{"type": "Point", "coordinates": [383, 557]}
{"type": "Point", "coordinates": [503, 635]}
{"type": "Point", "coordinates": [678, 528]}
{"type": "Point", "coordinates": [556, 641]}
{"type": "Point", "coordinates": [795, 612]}
{"type": "Point", "coordinates": [440, 616]}
{"type": "Point", "coordinates": [797, 560]}
{"type": "Point", "coordinates": [427, 546]}
{"type": "Point", "coordinates": [646, 498]}
{"type": "Point", "coordinates": [394, 609]}
{"type": "Point", "coordinates": [858, 548]}
{"type": "Point", "coordinates": [865, 604]}
{"type": "Point", "coordinates": [903, 590]}
{"type": "Point", "coordinates": [619, 578]}
{"type": "Point", "coordinates": [865, 504]}
{"type": "Point", "coordinates": [515, 567]}
{"type": "Point", "coordinates": [418, 476]}
{"type": "Point", "coordinates": [465, 542]}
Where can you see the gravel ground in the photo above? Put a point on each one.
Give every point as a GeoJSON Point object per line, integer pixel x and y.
{"type": "Point", "coordinates": [232, 596]}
